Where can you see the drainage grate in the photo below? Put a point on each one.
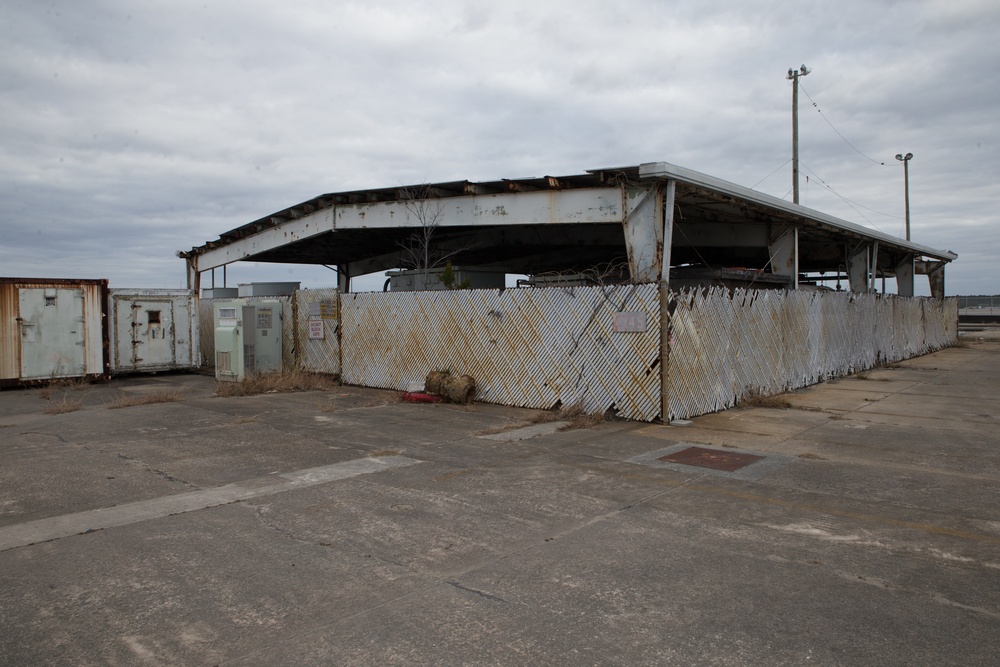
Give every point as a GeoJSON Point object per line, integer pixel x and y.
{"type": "Point", "coordinates": [711, 458]}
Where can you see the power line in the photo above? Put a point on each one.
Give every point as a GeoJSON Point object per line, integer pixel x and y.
{"type": "Point", "coordinates": [854, 205]}
{"type": "Point", "coordinates": [816, 106]}
{"type": "Point", "coordinates": [770, 175]}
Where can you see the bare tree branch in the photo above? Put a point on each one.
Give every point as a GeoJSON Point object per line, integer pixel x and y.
{"type": "Point", "coordinates": [418, 251]}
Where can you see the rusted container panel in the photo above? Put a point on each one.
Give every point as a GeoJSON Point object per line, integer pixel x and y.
{"type": "Point", "coordinates": [206, 332]}
{"type": "Point", "coordinates": [317, 319]}
{"type": "Point", "coordinates": [726, 346]}
{"type": "Point", "coordinates": [10, 333]}
{"type": "Point", "coordinates": [525, 347]}
{"type": "Point", "coordinates": [52, 328]}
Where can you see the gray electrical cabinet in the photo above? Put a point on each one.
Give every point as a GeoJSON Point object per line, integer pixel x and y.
{"type": "Point", "coordinates": [247, 338]}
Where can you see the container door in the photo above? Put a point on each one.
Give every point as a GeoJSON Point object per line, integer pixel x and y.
{"type": "Point", "coordinates": [181, 327]}
{"type": "Point", "coordinates": [152, 335]}
{"type": "Point", "coordinates": [125, 352]}
{"type": "Point", "coordinates": [53, 333]}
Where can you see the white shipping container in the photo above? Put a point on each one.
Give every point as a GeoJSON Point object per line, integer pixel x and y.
{"type": "Point", "coordinates": [52, 328]}
{"type": "Point", "coordinates": [153, 330]}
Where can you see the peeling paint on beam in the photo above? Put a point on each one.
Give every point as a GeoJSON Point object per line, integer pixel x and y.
{"type": "Point", "coordinates": [590, 205]}
{"type": "Point", "coordinates": [268, 239]}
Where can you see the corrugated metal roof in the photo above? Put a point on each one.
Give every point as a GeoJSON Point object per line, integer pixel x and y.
{"type": "Point", "coordinates": [665, 170]}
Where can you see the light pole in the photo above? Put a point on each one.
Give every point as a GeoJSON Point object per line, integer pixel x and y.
{"type": "Point", "coordinates": [905, 159]}
{"type": "Point", "coordinates": [794, 75]}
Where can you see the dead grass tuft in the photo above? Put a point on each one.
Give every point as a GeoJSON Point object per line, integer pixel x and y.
{"type": "Point", "coordinates": [384, 452]}
{"type": "Point", "coordinates": [127, 401]}
{"type": "Point", "coordinates": [246, 420]}
{"type": "Point", "coordinates": [63, 406]}
{"type": "Point", "coordinates": [277, 383]}
{"type": "Point", "coordinates": [577, 417]}
{"type": "Point", "coordinates": [867, 375]}
{"type": "Point", "coordinates": [888, 366]}
{"type": "Point", "coordinates": [359, 397]}
{"type": "Point", "coordinates": [505, 428]}
{"type": "Point", "coordinates": [65, 384]}
{"type": "Point", "coordinates": [757, 399]}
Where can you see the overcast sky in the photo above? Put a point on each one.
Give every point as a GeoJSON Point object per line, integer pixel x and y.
{"type": "Point", "coordinates": [131, 129]}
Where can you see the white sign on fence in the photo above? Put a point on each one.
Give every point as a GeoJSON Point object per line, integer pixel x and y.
{"type": "Point", "coordinates": [630, 322]}
{"type": "Point", "coordinates": [316, 330]}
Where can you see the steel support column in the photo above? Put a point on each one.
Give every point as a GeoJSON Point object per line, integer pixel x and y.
{"type": "Point", "coordinates": [904, 277]}
{"type": "Point", "coordinates": [193, 275]}
{"type": "Point", "coordinates": [783, 249]}
{"type": "Point", "coordinates": [936, 278]}
{"type": "Point", "coordinates": [643, 227]}
{"type": "Point", "coordinates": [873, 267]}
{"type": "Point", "coordinates": [858, 268]}
{"type": "Point", "coordinates": [667, 212]}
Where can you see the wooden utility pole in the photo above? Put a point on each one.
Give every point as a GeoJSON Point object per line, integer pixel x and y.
{"type": "Point", "coordinates": [905, 159]}
{"type": "Point", "coordinates": [793, 76]}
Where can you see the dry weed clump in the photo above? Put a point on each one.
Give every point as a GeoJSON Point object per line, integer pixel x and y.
{"type": "Point", "coordinates": [575, 414]}
{"type": "Point", "coordinates": [757, 399]}
{"type": "Point", "coordinates": [276, 383]}
{"type": "Point", "coordinates": [887, 366]}
{"type": "Point", "coordinates": [126, 401]}
{"type": "Point", "coordinates": [384, 452]}
{"type": "Point", "coordinates": [63, 407]}
{"type": "Point", "coordinates": [66, 384]}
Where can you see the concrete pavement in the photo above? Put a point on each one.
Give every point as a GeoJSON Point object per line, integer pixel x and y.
{"type": "Point", "coordinates": [347, 528]}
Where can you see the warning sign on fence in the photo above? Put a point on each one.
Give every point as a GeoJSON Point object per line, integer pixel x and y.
{"type": "Point", "coordinates": [316, 330]}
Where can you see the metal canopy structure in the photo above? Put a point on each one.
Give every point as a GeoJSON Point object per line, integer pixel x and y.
{"type": "Point", "coordinates": [574, 223]}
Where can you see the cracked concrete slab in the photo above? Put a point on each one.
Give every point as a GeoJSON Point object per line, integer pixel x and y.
{"type": "Point", "coordinates": [875, 542]}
